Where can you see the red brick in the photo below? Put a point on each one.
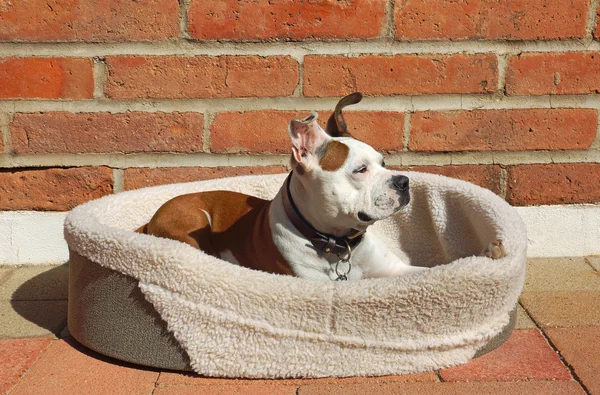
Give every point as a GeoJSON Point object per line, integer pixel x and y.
{"type": "Point", "coordinates": [553, 73]}
{"type": "Point", "coordinates": [16, 357]}
{"type": "Point", "coordinates": [597, 31]}
{"type": "Point", "coordinates": [285, 20]}
{"type": "Point", "coordinates": [399, 75]}
{"type": "Point", "coordinates": [46, 78]}
{"type": "Point", "coordinates": [524, 356]}
{"type": "Point", "coordinates": [88, 20]}
{"type": "Point", "coordinates": [63, 132]}
{"type": "Point", "coordinates": [580, 347]}
{"type": "Point", "coordinates": [510, 20]}
{"type": "Point", "coordinates": [266, 131]}
{"type": "Point", "coordinates": [384, 131]}
{"type": "Point", "coordinates": [498, 130]}
{"type": "Point", "coordinates": [559, 183]}
{"type": "Point", "coordinates": [68, 368]}
{"type": "Point", "coordinates": [135, 178]}
{"type": "Point", "coordinates": [175, 77]}
{"type": "Point", "coordinates": [486, 176]}
{"type": "Point", "coordinates": [498, 388]}
{"type": "Point", "coordinates": [53, 189]}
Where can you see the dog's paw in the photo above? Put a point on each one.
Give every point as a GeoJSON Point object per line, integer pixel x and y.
{"type": "Point", "coordinates": [495, 250]}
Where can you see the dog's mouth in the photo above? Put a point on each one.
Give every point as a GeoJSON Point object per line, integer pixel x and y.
{"type": "Point", "coordinates": [364, 217]}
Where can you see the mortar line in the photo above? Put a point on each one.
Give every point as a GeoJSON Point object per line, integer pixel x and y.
{"type": "Point", "coordinates": [386, 46]}
{"type": "Point", "coordinates": [5, 121]}
{"type": "Point", "coordinates": [438, 374]}
{"type": "Point", "coordinates": [389, 28]}
{"type": "Point", "coordinates": [596, 142]}
{"type": "Point", "coordinates": [209, 118]}
{"type": "Point", "coordinates": [100, 73]}
{"type": "Point", "coordinates": [299, 90]}
{"type": "Point", "coordinates": [406, 131]}
{"type": "Point", "coordinates": [503, 181]}
{"type": "Point", "coordinates": [183, 19]}
{"type": "Point", "coordinates": [118, 180]}
{"type": "Point", "coordinates": [401, 103]}
{"type": "Point", "coordinates": [502, 68]}
{"type": "Point", "coordinates": [592, 19]}
{"type": "Point", "coordinates": [205, 159]}
{"type": "Point", "coordinates": [587, 260]}
{"type": "Point", "coordinates": [557, 351]}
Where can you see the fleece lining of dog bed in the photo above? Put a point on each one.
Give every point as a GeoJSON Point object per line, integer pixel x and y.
{"type": "Point", "coordinates": [236, 322]}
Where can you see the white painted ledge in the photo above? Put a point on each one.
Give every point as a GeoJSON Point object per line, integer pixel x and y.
{"type": "Point", "coordinates": [34, 238]}
{"type": "Point", "coordinates": [572, 230]}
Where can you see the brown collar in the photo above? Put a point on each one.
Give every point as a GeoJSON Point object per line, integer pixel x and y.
{"type": "Point", "coordinates": [323, 242]}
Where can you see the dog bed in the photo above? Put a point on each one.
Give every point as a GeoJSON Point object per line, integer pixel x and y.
{"type": "Point", "coordinates": [162, 303]}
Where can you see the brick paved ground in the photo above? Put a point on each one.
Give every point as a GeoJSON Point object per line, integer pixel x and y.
{"type": "Point", "coordinates": [554, 350]}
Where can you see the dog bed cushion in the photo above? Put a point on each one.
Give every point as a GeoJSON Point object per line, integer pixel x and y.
{"type": "Point", "coordinates": [223, 320]}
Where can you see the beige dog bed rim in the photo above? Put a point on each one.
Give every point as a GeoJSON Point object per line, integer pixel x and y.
{"type": "Point", "coordinates": [161, 303]}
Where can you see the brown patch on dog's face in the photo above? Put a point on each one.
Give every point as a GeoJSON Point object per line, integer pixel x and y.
{"type": "Point", "coordinates": [334, 155]}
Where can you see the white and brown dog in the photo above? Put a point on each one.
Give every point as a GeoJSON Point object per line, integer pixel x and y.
{"type": "Point", "coordinates": [316, 225]}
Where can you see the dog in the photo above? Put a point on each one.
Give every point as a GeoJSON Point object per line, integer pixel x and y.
{"type": "Point", "coordinates": [316, 226]}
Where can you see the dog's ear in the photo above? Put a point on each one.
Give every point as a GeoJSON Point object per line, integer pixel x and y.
{"type": "Point", "coordinates": [336, 125]}
{"type": "Point", "coordinates": [307, 137]}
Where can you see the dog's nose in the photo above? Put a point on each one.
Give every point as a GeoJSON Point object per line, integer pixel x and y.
{"type": "Point", "coordinates": [400, 182]}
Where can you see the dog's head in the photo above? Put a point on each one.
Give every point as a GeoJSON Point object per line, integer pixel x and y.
{"type": "Point", "coordinates": [347, 178]}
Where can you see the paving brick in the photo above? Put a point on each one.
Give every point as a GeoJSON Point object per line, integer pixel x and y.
{"type": "Point", "coordinates": [135, 178]}
{"type": "Point", "coordinates": [553, 73]}
{"type": "Point", "coordinates": [32, 318]}
{"type": "Point", "coordinates": [523, 320]}
{"type": "Point", "coordinates": [524, 356]}
{"type": "Point", "coordinates": [486, 176]}
{"type": "Point", "coordinates": [45, 78]}
{"type": "Point", "coordinates": [560, 274]}
{"type": "Point", "coordinates": [580, 347]}
{"type": "Point", "coordinates": [53, 189]}
{"type": "Point", "coordinates": [498, 130]}
{"type": "Point", "coordinates": [266, 131]}
{"type": "Point", "coordinates": [170, 378]}
{"type": "Point", "coordinates": [177, 77]}
{"type": "Point", "coordinates": [520, 388]}
{"type": "Point", "coordinates": [4, 272]}
{"type": "Point", "coordinates": [35, 283]}
{"type": "Point", "coordinates": [63, 132]}
{"type": "Point", "coordinates": [557, 183]}
{"type": "Point", "coordinates": [563, 309]}
{"type": "Point", "coordinates": [68, 368]}
{"type": "Point", "coordinates": [88, 20]}
{"type": "Point", "coordinates": [510, 20]}
{"type": "Point", "coordinates": [376, 75]}
{"type": "Point", "coordinates": [285, 20]}
{"type": "Point", "coordinates": [16, 357]}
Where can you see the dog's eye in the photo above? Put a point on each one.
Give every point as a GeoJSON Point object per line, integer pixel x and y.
{"type": "Point", "coordinates": [361, 169]}
{"type": "Point", "coordinates": [382, 163]}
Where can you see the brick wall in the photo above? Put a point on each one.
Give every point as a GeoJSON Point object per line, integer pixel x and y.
{"type": "Point", "coordinates": [101, 96]}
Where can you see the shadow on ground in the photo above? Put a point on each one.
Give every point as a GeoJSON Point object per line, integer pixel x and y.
{"type": "Point", "coordinates": [42, 298]}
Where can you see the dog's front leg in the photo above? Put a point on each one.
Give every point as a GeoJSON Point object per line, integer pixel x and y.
{"type": "Point", "coordinates": [377, 260]}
